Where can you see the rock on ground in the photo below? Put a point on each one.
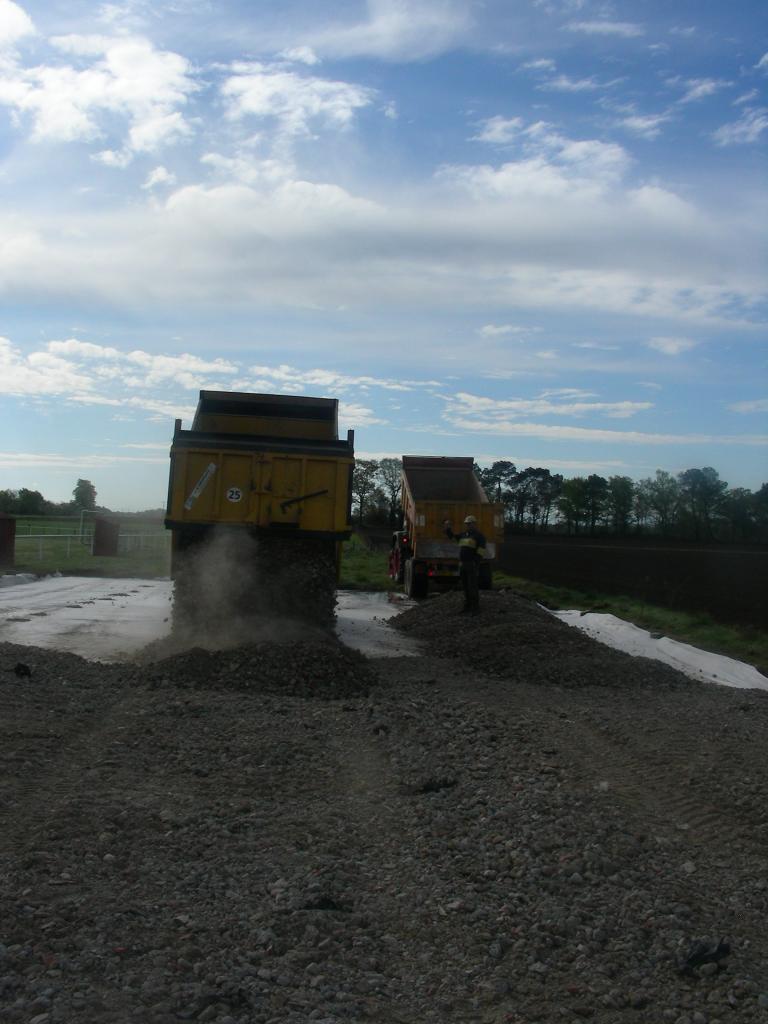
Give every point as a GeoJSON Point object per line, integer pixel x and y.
{"type": "Point", "coordinates": [519, 826]}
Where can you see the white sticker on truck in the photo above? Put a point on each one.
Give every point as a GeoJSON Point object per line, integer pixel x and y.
{"type": "Point", "coordinates": [234, 494]}
{"type": "Point", "coordinates": [199, 487]}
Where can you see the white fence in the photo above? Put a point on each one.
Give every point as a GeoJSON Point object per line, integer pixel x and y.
{"type": "Point", "coordinates": [53, 543]}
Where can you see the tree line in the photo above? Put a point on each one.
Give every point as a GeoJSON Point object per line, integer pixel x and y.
{"type": "Point", "coordinates": [694, 504]}
{"type": "Point", "coordinates": [25, 502]}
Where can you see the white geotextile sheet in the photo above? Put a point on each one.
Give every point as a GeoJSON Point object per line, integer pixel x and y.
{"type": "Point", "coordinates": [710, 668]}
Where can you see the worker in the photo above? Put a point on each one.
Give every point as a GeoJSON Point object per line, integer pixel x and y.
{"type": "Point", "coordinates": [471, 553]}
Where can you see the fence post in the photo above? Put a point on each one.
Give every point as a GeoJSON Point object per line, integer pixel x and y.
{"type": "Point", "coordinates": [7, 540]}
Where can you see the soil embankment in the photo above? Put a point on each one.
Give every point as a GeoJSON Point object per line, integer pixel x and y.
{"type": "Point", "coordinates": [520, 825]}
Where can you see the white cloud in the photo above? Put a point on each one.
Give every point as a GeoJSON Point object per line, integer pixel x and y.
{"type": "Point", "coordinates": [249, 169]}
{"type": "Point", "coordinates": [755, 405]}
{"type": "Point", "coordinates": [748, 129]}
{"type": "Point", "coordinates": [499, 130]}
{"type": "Point", "coordinates": [127, 79]}
{"type": "Point", "coordinates": [542, 64]}
{"type": "Point", "coordinates": [558, 228]}
{"type": "Point", "coordinates": [38, 374]}
{"type": "Point", "coordinates": [353, 416]}
{"type": "Point", "coordinates": [492, 409]}
{"type": "Point", "coordinates": [570, 466]}
{"type": "Point", "coordinates": [159, 176]}
{"type": "Point", "coordinates": [300, 55]}
{"type": "Point", "coordinates": [149, 446]}
{"type": "Point", "coordinates": [117, 158]}
{"type": "Point", "coordinates": [562, 83]}
{"type": "Point", "coordinates": [596, 345]}
{"type": "Point", "coordinates": [502, 330]}
{"type": "Point", "coordinates": [331, 381]}
{"type": "Point", "coordinates": [15, 24]}
{"type": "Point", "coordinates": [647, 126]}
{"type": "Point", "coordinates": [554, 165]}
{"type": "Point", "coordinates": [671, 346]}
{"type": "Point", "coordinates": [296, 101]}
{"type": "Point", "coordinates": [762, 64]}
{"type": "Point", "coordinates": [143, 369]}
{"type": "Point", "coordinates": [624, 29]}
{"type": "Point", "coordinates": [99, 375]}
{"type": "Point", "coordinates": [86, 460]}
{"type": "Point", "coordinates": [558, 432]}
{"type": "Point", "coordinates": [399, 30]}
{"type": "Point", "coordinates": [567, 393]}
{"type": "Point", "coordinates": [699, 88]}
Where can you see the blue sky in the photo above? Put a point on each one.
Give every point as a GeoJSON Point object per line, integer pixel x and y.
{"type": "Point", "coordinates": [527, 230]}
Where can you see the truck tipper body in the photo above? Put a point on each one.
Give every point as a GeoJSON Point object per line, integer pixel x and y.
{"type": "Point", "coordinates": [433, 490]}
{"type": "Point", "coordinates": [266, 480]}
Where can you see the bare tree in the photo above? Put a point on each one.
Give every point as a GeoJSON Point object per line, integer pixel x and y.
{"type": "Point", "coordinates": [390, 477]}
{"type": "Point", "coordinates": [364, 484]}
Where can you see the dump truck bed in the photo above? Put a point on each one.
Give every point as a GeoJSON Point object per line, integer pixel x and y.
{"type": "Point", "coordinates": [259, 502]}
{"type": "Point", "coordinates": [268, 462]}
{"type": "Point", "coordinates": [430, 478]}
{"type": "Point", "coordinates": [436, 489]}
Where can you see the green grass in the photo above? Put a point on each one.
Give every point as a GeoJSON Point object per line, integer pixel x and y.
{"type": "Point", "coordinates": [744, 643]}
{"type": "Point", "coordinates": [362, 569]}
{"type": "Point", "coordinates": [47, 524]}
{"type": "Point", "coordinates": [58, 554]}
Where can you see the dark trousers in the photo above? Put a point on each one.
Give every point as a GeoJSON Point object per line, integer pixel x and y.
{"type": "Point", "coordinates": [468, 571]}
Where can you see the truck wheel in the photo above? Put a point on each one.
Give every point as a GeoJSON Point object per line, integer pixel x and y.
{"type": "Point", "coordinates": [415, 583]}
{"type": "Point", "coordinates": [485, 577]}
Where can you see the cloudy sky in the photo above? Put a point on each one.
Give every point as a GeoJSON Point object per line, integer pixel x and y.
{"type": "Point", "coordinates": [521, 229]}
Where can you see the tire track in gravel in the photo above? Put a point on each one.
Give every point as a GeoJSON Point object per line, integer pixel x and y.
{"type": "Point", "coordinates": [663, 774]}
{"type": "Point", "coordinates": [65, 779]}
{"type": "Point", "coordinates": [663, 766]}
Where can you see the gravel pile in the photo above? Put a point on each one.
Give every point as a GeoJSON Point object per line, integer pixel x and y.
{"type": "Point", "coordinates": [320, 667]}
{"type": "Point", "coordinates": [511, 845]}
{"type": "Point", "coordinates": [517, 639]}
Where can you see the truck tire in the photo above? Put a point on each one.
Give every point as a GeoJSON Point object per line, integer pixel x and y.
{"type": "Point", "coordinates": [485, 577]}
{"type": "Point", "coordinates": [416, 583]}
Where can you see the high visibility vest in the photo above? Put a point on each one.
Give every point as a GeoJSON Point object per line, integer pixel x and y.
{"type": "Point", "coordinates": [466, 541]}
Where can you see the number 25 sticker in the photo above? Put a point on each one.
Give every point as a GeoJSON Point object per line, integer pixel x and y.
{"type": "Point", "coordinates": [234, 494]}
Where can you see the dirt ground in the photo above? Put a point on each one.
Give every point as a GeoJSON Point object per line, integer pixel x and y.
{"type": "Point", "coordinates": [518, 825]}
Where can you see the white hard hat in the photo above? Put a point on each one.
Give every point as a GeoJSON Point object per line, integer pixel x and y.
{"type": "Point", "coordinates": [470, 519]}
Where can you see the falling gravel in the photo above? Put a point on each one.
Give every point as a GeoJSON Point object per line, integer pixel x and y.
{"type": "Point", "coordinates": [518, 826]}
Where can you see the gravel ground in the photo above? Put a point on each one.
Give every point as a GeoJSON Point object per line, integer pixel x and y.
{"type": "Point", "coordinates": [518, 826]}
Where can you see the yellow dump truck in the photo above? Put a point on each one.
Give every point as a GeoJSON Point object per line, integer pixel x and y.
{"type": "Point", "coordinates": [434, 489]}
{"type": "Point", "coordinates": [259, 502]}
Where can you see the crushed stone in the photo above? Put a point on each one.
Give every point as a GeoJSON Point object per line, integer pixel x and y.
{"type": "Point", "coordinates": [519, 826]}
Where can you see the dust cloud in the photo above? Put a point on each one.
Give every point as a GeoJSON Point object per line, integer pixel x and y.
{"type": "Point", "coordinates": [234, 588]}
